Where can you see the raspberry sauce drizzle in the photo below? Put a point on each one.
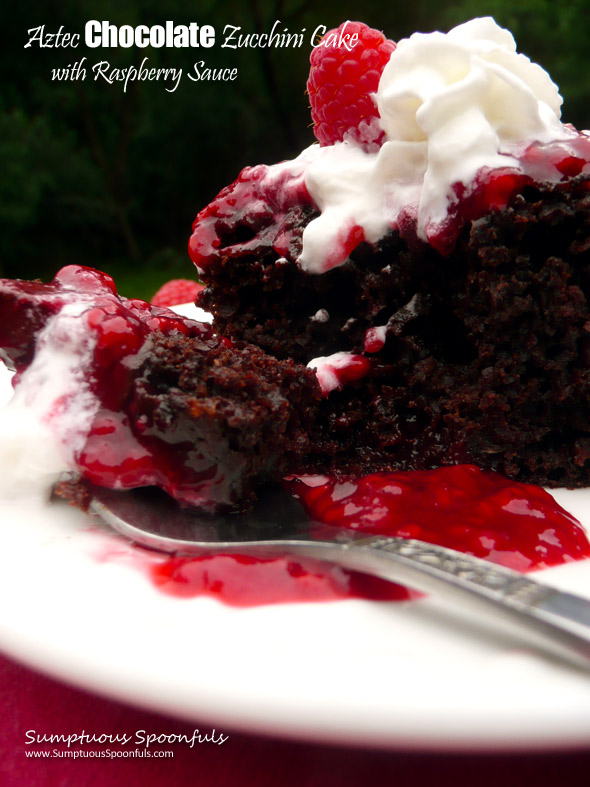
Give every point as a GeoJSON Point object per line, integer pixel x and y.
{"type": "Point", "coordinates": [471, 510]}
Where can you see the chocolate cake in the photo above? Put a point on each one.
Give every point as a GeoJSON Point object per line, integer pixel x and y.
{"type": "Point", "coordinates": [409, 293]}
{"type": "Point", "coordinates": [461, 339]}
{"type": "Point", "coordinates": [144, 397]}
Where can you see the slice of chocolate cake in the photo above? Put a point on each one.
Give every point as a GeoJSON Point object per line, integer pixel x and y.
{"type": "Point", "coordinates": [135, 395]}
{"type": "Point", "coordinates": [430, 259]}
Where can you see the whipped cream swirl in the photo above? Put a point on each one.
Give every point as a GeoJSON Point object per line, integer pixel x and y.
{"type": "Point", "coordinates": [451, 105]}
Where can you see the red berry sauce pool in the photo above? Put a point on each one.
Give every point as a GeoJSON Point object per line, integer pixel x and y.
{"type": "Point", "coordinates": [462, 507]}
{"type": "Point", "coordinates": [242, 581]}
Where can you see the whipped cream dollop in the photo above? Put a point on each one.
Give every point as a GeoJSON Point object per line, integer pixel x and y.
{"type": "Point", "coordinates": [451, 105]}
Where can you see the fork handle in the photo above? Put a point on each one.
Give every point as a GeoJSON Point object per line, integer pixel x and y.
{"type": "Point", "coordinates": [556, 621]}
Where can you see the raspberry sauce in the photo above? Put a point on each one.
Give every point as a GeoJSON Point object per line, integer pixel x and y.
{"type": "Point", "coordinates": [249, 215]}
{"type": "Point", "coordinates": [462, 507]}
{"type": "Point", "coordinates": [244, 581]}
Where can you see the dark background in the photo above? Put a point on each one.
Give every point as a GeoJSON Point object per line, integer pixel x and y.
{"type": "Point", "coordinates": [93, 175]}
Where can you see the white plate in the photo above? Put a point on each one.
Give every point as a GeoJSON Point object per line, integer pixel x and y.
{"type": "Point", "coordinates": [76, 604]}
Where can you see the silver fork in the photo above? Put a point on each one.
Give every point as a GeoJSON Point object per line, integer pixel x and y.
{"type": "Point", "coordinates": [554, 621]}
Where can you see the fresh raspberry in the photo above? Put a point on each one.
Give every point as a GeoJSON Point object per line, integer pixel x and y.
{"type": "Point", "coordinates": [344, 74]}
{"type": "Point", "coordinates": [177, 291]}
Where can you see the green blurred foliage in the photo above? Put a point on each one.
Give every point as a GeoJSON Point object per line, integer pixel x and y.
{"type": "Point", "coordinates": [94, 175]}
